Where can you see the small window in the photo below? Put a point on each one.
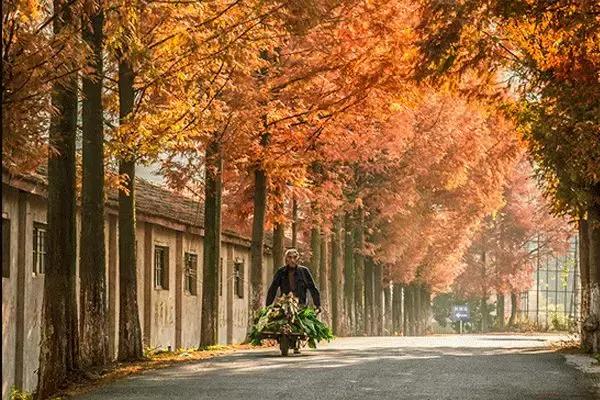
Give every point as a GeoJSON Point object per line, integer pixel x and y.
{"type": "Point", "coordinates": [238, 276]}
{"type": "Point", "coordinates": [39, 248]}
{"type": "Point", "coordinates": [5, 248]}
{"type": "Point", "coordinates": [191, 272]}
{"type": "Point", "coordinates": [161, 267]}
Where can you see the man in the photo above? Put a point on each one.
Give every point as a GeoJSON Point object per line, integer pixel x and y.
{"type": "Point", "coordinates": [296, 279]}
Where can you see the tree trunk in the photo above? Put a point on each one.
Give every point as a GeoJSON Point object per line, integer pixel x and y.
{"type": "Point", "coordinates": [594, 266]}
{"type": "Point", "coordinates": [484, 314]}
{"type": "Point", "coordinates": [130, 332]}
{"type": "Point", "coordinates": [278, 246]}
{"type": "Point", "coordinates": [378, 310]}
{"type": "Point", "coordinates": [337, 278]}
{"type": "Point", "coordinates": [405, 311]}
{"type": "Point", "coordinates": [500, 311]}
{"type": "Point", "coordinates": [213, 189]}
{"type": "Point", "coordinates": [92, 263]}
{"type": "Point", "coordinates": [278, 229]}
{"type": "Point", "coordinates": [397, 311]}
{"type": "Point", "coordinates": [388, 316]}
{"type": "Point", "coordinates": [418, 309]}
{"type": "Point", "coordinates": [409, 309]}
{"type": "Point", "coordinates": [584, 266]}
{"type": "Point", "coordinates": [514, 308]}
{"type": "Point", "coordinates": [257, 247]}
{"type": "Point", "coordinates": [294, 222]}
{"type": "Point", "coordinates": [324, 274]}
{"type": "Point", "coordinates": [369, 315]}
{"type": "Point", "coordinates": [425, 309]}
{"type": "Point", "coordinates": [359, 273]}
{"type": "Point", "coordinates": [349, 274]}
{"type": "Point", "coordinates": [483, 301]}
{"type": "Point", "coordinates": [315, 251]}
{"type": "Point", "coordinates": [58, 356]}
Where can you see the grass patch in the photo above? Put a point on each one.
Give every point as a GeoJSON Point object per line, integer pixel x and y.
{"type": "Point", "coordinates": [17, 394]}
{"type": "Point", "coordinates": [215, 347]}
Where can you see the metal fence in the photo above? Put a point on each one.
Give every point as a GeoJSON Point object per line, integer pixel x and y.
{"type": "Point", "coordinates": [553, 300]}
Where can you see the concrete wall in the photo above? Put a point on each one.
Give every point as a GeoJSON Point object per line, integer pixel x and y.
{"type": "Point", "coordinates": [168, 317]}
{"type": "Point", "coordinates": [10, 211]}
{"type": "Point", "coordinates": [239, 319]}
{"type": "Point", "coordinates": [141, 273]}
{"type": "Point", "coordinates": [33, 290]}
{"type": "Point", "coordinates": [21, 292]}
{"type": "Point", "coordinates": [192, 305]}
{"type": "Point", "coordinates": [163, 300]}
{"type": "Point", "coordinates": [223, 289]}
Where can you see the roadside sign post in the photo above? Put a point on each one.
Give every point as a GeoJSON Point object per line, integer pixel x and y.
{"type": "Point", "coordinates": [460, 314]}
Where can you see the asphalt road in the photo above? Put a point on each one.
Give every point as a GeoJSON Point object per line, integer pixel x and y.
{"type": "Point", "coordinates": [382, 368]}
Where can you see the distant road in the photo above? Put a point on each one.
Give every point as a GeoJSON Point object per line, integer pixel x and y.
{"type": "Point", "coordinates": [380, 368]}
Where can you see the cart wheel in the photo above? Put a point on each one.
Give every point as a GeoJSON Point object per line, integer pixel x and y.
{"type": "Point", "coordinates": [284, 345]}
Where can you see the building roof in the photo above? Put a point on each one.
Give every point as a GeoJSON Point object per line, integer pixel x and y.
{"type": "Point", "coordinates": [151, 200]}
{"type": "Point", "coordinates": [160, 202]}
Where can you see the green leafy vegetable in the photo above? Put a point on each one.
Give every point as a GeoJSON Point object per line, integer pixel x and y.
{"type": "Point", "coordinates": [284, 316]}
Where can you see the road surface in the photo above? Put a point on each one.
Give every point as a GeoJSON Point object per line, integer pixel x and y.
{"type": "Point", "coordinates": [380, 368]}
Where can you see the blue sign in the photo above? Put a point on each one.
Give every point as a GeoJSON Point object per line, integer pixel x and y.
{"type": "Point", "coordinates": [460, 313]}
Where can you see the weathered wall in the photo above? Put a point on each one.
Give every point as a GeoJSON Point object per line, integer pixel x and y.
{"type": "Point", "coordinates": [9, 293]}
{"type": "Point", "coordinates": [141, 274]}
{"type": "Point", "coordinates": [192, 305]}
{"type": "Point", "coordinates": [163, 300]}
{"type": "Point", "coordinates": [33, 291]}
{"type": "Point", "coordinates": [239, 320]}
{"type": "Point", "coordinates": [168, 317]}
{"type": "Point", "coordinates": [224, 280]}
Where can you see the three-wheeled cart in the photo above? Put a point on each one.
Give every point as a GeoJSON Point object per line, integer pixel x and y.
{"type": "Point", "coordinates": [287, 341]}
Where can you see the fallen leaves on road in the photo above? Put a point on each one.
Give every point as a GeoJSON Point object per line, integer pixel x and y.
{"type": "Point", "coordinates": [572, 345]}
{"type": "Point", "coordinates": [156, 359]}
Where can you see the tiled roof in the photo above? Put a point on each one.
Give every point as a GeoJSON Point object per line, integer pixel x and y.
{"type": "Point", "coordinates": [156, 201]}
{"type": "Point", "coordinates": [151, 200]}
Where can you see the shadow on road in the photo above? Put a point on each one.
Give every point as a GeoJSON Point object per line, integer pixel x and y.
{"type": "Point", "coordinates": [378, 373]}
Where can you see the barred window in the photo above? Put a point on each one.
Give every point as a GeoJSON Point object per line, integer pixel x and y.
{"type": "Point", "coordinates": [5, 248]}
{"type": "Point", "coordinates": [191, 272]}
{"type": "Point", "coordinates": [161, 267]}
{"type": "Point", "coordinates": [39, 248]}
{"type": "Point", "coordinates": [238, 276]}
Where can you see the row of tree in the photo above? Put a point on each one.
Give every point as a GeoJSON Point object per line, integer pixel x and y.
{"type": "Point", "coordinates": [548, 50]}
{"type": "Point", "coordinates": [411, 200]}
{"type": "Point", "coordinates": [275, 113]}
{"type": "Point", "coordinates": [499, 258]}
{"type": "Point", "coordinates": [253, 91]}
{"type": "Point", "coordinates": [509, 245]}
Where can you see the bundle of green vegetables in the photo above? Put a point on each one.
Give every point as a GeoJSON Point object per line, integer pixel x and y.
{"type": "Point", "coordinates": [286, 316]}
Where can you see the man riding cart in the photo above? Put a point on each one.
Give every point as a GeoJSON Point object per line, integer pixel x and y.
{"type": "Point", "coordinates": [296, 279]}
{"type": "Point", "coordinates": [288, 318]}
